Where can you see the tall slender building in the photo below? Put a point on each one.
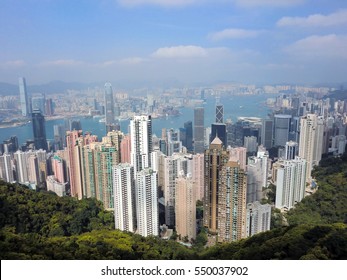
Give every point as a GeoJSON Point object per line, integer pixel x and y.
{"type": "Point", "coordinates": [39, 129]}
{"type": "Point", "coordinates": [215, 158]}
{"type": "Point", "coordinates": [33, 169]}
{"type": "Point", "coordinates": [198, 175]}
{"type": "Point", "coordinates": [225, 195]}
{"type": "Point", "coordinates": [124, 197]}
{"type": "Point", "coordinates": [73, 141]}
{"type": "Point", "coordinates": [58, 169]}
{"type": "Point", "coordinates": [23, 96]}
{"type": "Point", "coordinates": [109, 106]}
{"type": "Point", "coordinates": [97, 161]}
{"type": "Point", "coordinates": [199, 130]}
{"type": "Point", "coordinates": [178, 163]}
{"type": "Point", "coordinates": [146, 197]}
{"type": "Point", "coordinates": [105, 157]}
{"type": "Point", "coordinates": [257, 171]}
{"type": "Point", "coordinates": [185, 207]}
{"type": "Point", "coordinates": [311, 141]}
{"type": "Point", "coordinates": [281, 129]}
{"type": "Point", "coordinates": [189, 135]}
{"type": "Point", "coordinates": [125, 149]}
{"type": "Point", "coordinates": [232, 203]}
{"type": "Point", "coordinates": [59, 137]}
{"type": "Point", "coordinates": [267, 133]}
{"type": "Point", "coordinates": [141, 142]}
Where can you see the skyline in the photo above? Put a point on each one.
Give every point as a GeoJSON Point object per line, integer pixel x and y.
{"type": "Point", "coordinates": [139, 42]}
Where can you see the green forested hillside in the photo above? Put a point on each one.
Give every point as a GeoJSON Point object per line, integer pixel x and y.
{"type": "Point", "coordinates": [40, 225]}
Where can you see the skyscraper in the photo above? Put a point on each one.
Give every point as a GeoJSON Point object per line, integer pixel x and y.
{"type": "Point", "coordinates": [124, 197]}
{"type": "Point", "coordinates": [73, 139]}
{"type": "Point", "coordinates": [141, 142]}
{"type": "Point", "coordinates": [58, 169]}
{"type": "Point", "coordinates": [125, 149]}
{"type": "Point", "coordinates": [105, 157]}
{"type": "Point", "coordinates": [6, 170]}
{"type": "Point", "coordinates": [266, 133]}
{"type": "Point", "coordinates": [291, 150]}
{"type": "Point", "coordinates": [109, 105]}
{"type": "Point", "coordinates": [311, 141]}
{"type": "Point", "coordinates": [219, 129]}
{"type": "Point", "coordinates": [198, 175]}
{"type": "Point", "coordinates": [39, 130]}
{"type": "Point", "coordinates": [257, 174]}
{"type": "Point", "coordinates": [11, 144]}
{"type": "Point", "coordinates": [239, 155]}
{"type": "Point", "coordinates": [185, 207]}
{"type": "Point", "coordinates": [38, 103]}
{"type": "Point", "coordinates": [189, 135]}
{"type": "Point", "coordinates": [21, 166]}
{"type": "Point", "coordinates": [23, 96]}
{"type": "Point", "coordinates": [146, 197]}
{"type": "Point", "coordinates": [290, 178]}
{"type": "Point", "coordinates": [33, 169]}
{"type": "Point", "coordinates": [59, 137]}
{"type": "Point", "coordinates": [174, 145]}
{"type": "Point", "coordinates": [250, 143]}
{"type": "Point", "coordinates": [219, 113]}
{"type": "Point", "coordinates": [231, 201]}
{"type": "Point", "coordinates": [258, 218]}
{"type": "Point", "coordinates": [281, 129]}
{"type": "Point", "coordinates": [199, 130]}
{"type": "Point", "coordinates": [215, 158]}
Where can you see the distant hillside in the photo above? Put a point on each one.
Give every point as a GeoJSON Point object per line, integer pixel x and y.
{"type": "Point", "coordinates": [8, 89]}
{"type": "Point", "coordinates": [49, 88]}
{"type": "Point", "coordinates": [339, 95]}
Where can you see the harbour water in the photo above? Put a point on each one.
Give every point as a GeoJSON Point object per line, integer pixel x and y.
{"type": "Point", "coordinates": [234, 107]}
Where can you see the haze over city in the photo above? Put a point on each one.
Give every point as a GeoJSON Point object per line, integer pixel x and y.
{"type": "Point", "coordinates": [174, 41]}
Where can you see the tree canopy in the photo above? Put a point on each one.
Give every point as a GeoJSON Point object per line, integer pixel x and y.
{"type": "Point", "coordinates": [41, 225]}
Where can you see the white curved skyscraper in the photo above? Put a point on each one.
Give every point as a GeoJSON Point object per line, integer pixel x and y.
{"type": "Point", "coordinates": [23, 95]}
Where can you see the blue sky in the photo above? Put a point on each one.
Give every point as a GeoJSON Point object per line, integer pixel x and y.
{"type": "Point", "coordinates": [188, 41]}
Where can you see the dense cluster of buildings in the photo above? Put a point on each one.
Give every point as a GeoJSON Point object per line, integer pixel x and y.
{"type": "Point", "coordinates": [151, 181]}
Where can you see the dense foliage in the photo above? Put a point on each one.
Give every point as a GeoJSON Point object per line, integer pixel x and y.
{"type": "Point", "coordinates": [49, 215]}
{"type": "Point", "coordinates": [329, 204]}
{"type": "Point", "coordinates": [41, 225]}
{"type": "Point", "coordinates": [288, 243]}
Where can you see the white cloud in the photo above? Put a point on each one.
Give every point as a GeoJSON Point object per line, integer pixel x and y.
{"type": "Point", "coordinates": [125, 61]}
{"type": "Point", "coordinates": [337, 18]}
{"type": "Point", "coordinates": [109, 62]}
{"type": "Point", "coordinates": [62, 62]}
{"type": "Point", "coordinates": [164, 3]}
{"type": "Point", "coordinates": [180, 52]}
{"type": "Point", "coordinates": [272, 3]}
{"type": "Point", "coordinates": [133, 60]}
{"type": "Point", "coordinates": [15, 63]}
{"type": "Point", "coordinates": [234, 33]}
{"type": "Point", "coordinates": [319, 47]}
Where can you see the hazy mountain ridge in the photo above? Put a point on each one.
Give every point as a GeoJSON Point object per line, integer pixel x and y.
{"type": "Point", "coordinates": [49, 88]}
